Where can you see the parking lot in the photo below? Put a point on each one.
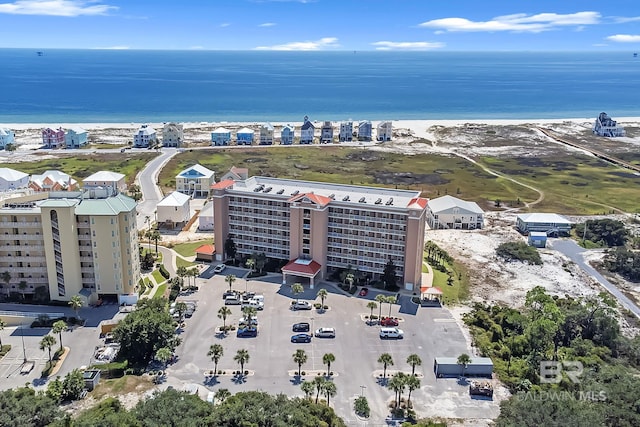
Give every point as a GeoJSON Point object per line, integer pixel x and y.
{"type": "Point", "coordinates": [428, 332]}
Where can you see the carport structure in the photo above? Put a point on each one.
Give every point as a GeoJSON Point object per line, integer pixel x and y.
{"type": "Point", "coordinates": [301, 267]}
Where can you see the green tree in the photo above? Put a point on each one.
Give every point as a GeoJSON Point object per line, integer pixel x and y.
{"type": "Point", "coordinates": [414, 360]}
{"type": "Point", "coordinates": [59, 327]}
{"type": "Point", "coordinates": [372, 306]}
{"type": "Point", "coordinates": [163, 355]}
{"type": "Point", "coordinates": [349, 278]}
{"type": "Point", "coordinates": [297, 289]}
{"type": "Point", "coordinates": [261, 261]}
{"type": "Point", "coordinates": [6, 278]}
{"type": "Point", "coordinates": [223, 313]}
{"type": "Point", "coordinates": [193, 272]}
{"type": "Point", "coordinates": [222, 395]}
{"type": "Point", "coordinates": [249, 312]}
{"type": "Point", "coordinates": [386, 360]}
{"type": "Point", "coordinates": [397, 383]}
{"type": "Point", "coordinates": [76, 304]}
{"type": "Point", "coordinates": [300, 358]}
{"type": "Point", "coordinates": [46, 343]}
{"type": "Point", "coordinates": [381, 299]}
{"type": "Point", "coordinates": [318, 382]}
{"type": "Point", "coordinates": [73, 385]}
{"type": "Point", "coordinates": [181, 308]}
{"type": "Point", "coordinates": [251, 264]}
{"type": "Point", "coordinates": [389, 275]}
{"type": "Point", "coordinates": [390, 299]}
{"type": "Point", "coordinates": [108, 413]}
{"type": "Point", "coordinates": [413, 383]}
{"type": "Point", "coordinates": [330, 390]}
{"type": "Point", "coordinates": [10, 147]}
{"type": "Point", "coordinates": [230, 278]}
{"type": "Point", "coordinates": [55, 390]}
{"type": "Point", "coordinates": [242, 358]}
{"type": "Point", "coordinates": [230, 248]}
{"type": "Point", "coordinates": [23, 287]}
{"type": "Point", "coordinates": [308, 388]}
{"type": "Point", "coordinates": [463, 360]}
{"type": "Point", "coordinates": [173, 408]}
{"type": "Point", "coordinates": [182, 272]}
{"type": "Point", "coordinates": [24, 407]}
{"type": "Point", "coordinates": [361, 406]}
{"type": "Point", "coordinates": [155, 236]}
{"type": "Point", "coordinates": [322, 294]}
{"type": "Point", "coordinates": [215, 353]}
{"type": "Point", "coordinates": [328, 359]}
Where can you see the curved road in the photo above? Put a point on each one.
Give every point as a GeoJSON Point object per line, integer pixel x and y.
{"type": "Point", "coordinates": [575, 254]}
{"type": "Point", "coordinates": [151, 193]}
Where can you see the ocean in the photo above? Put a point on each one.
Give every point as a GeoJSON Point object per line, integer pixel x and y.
{"type": "Point", "coordinates": [121, 86]}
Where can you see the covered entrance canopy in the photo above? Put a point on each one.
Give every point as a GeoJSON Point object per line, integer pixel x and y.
{"type": "Point", "coordinates": [430, 293]}
{"type": "Point", "coordinates": [302, 268]}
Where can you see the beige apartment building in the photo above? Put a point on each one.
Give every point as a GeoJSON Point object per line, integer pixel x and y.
{"type": "Point", "coordinates": [70, 244]}
{"type": "Point", "coordinates": [322, 227]}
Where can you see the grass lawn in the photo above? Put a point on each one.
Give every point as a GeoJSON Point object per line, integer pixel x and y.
{"type": "Point", "coordinates": [158, 257]}
{"type": "Point", "coordinates": [81, 166]}
{"type": "Point", "coordinates": [157, 276]}
{"type": "Point", "coordinates": [148, 286]}
{"type": "Point", "coordinates": [4, 350]}
{"type": "Point", "coordinates": [122, 386]}
{"type": "Point", "coordinates": [160, 291]}
{"type": "Point", "coordinates": [181, 262]}
{"type": "Point", "coordinates": [452, 294]}
{"type": "Point", "coordinates": [189, 249]}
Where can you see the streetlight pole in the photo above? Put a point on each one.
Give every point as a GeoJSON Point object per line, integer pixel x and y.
{"type": "Point", "coordinates": [24, 349]}
{"type": "Point", "coordinates": [362, 387]}
{"type": "Point", "coordinates": [584, 234]}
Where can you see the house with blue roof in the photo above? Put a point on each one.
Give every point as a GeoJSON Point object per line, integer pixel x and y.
{"type": "Point", "coordinates": [195, 181]}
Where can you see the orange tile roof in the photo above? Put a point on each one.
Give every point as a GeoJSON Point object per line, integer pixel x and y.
{"type": "Point", "coordinates": [315, 198]}
{"type": "Point", "coordinates": [418, 203]}
{"type": "Point", "coordinates": [311, 268]}
{"type": "Point", "coordinates": [206, 249]}
{"type": "Point", "coordinates": [222, 184]}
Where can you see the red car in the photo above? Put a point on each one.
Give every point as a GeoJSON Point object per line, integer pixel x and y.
{"type": "Point", "coordinates": [364, 292]}
{"type": "Point", "coordinates": [388, 321]}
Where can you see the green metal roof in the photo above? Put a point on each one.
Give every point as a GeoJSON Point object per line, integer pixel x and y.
{"type": "Point", "coordinates": [109, 206]}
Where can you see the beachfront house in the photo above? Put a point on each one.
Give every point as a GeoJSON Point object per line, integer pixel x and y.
{"type": "Point", "coordinates": [221, 136]}
{"type": "Point", "coordinates": [53, 138]}
{"type": "Point", "coordinates": [11, 179]}
{"type": "Point", "coordinates": [245, 136]}
{"type": "Point", "coordinates": [384, 131]}
{"type": "Point", "coordinates": [195, 181]}
{"type": "Point", "coordinates": [326, 133]}
{"type": "Point", "coordinates": [145, 136]}
{"type": "Point", "coordinates": [550, 223]}
{"type": "Point", "coordinates": [7, 136]}
{"type": "Point", "coordinates": [266, 134]}
{"type": "Point", "coordinates": [287, 134]}
{"type": "Point", "coordinates": [236, 174]}
{"type": "Point", "coordinates": [448, 212]}
{"type": "Point", "coordinates": [174, 210]}
{"type": "Point", "coordinates": [113, 181]}
{"type": "Point", "coordinates": [205, 217]}
{"type": "Point", "coordinates": [76, 137]}
{"type": "Point", "coordinates": [172, 135]}
{"type": "Point", "coordinates": [307, 131]}
{"type": "Point", "coordinates": [364, 130]}
{"type": "Point", "coordinates": [53, 180]}
{"type": "Point", "coordinates": [605, 126]}
{"type": "Point", "coordinates": [346, 131]}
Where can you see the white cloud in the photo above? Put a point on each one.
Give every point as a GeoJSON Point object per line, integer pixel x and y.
{"type": "Point", "coordinates": [112, 48]}
{"type": "Point", "coordinates": [387, 45]}
{"type": "Point", "coordinates": [625, 38]}
{"type": "Point", "coordinates": [600, 45]}
{"type": "Point", "coordinates": [225, 24]}
{"type": "Point", "coordinates": [326, 42]}
{"type": "Point", "coordinates": [623, 19]}
{"type": "Point", "coordinates": [519, 22]}
{"type": "Point", "coordinates": [56, 7]}
{"type": "Point", "coordinates": [268, 24]}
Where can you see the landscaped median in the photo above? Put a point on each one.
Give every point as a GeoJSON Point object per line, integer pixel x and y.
{"type": "Point", "coordinates": [52, 368]}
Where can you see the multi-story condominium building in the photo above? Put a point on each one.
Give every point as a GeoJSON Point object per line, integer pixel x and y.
{"type": "Point", "coordinates": [53, 181]}
{"type": "Point", "coordinates": [172, 135]}
{"type": "Point", "coordinates": [364, 130]}
{"type": "Point", "coordinates": [146, 135]}
{"type": "Point", "coordinates": [7, 136]}
{"type": "Point", "coordinates": [76, 137]}
{"type": "Point", "coordinates": [195, 181]}
{"type": "Point", "coordinates": [287, 134]}
{"type": "Point", "coordinates": [245, 136]}
{"type": "Point", "coordinates": [221, 136]}
{"type": "Point", "coordinates": [114, 181]}
{"type": "Point", "coordinates": [326, 133]}
{"type": "Point", "coordinates": [451, 212]}
{"type": "Point", "coordinates": [322, 227]}
{"type": "Point", "coordinates": [346, 131]}
{"type": "Point", "coordinates": [68, 243]}
{"type": "Point", "coordinates": [384, 130]}
{"type": "Point", "coordinates": [11, 179]}
{"type": "Point", "coordinates": [53, 138]}
{"type": "Point", "coordinates": [266, 134]}
{"type": "Point", "coordinates": [307, 131]}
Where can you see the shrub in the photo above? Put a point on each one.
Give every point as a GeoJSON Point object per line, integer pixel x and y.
{"type": "Point", "coordinates": [519, 251]}
{"type": "Point", "coordinates": [317, 305]}
{"type": "Point", "coordinates": [164, 272]}
{"type": "Point", "coordinates": [303, 373]}
{"type": "Point", "coordinates": [362, 407]}
{"type": "Point", "coordinates": [246, 372]}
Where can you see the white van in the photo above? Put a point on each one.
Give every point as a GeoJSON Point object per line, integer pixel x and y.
{"type": "Point", "coordinates": [232, 300]}
{"type": "Point", "coordinates": [253, 303]}
{"type": "Point", "coordinates": [391, 333]}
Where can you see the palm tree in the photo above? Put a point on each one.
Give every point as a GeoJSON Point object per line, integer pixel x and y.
{"type": "Point", "coordinates": [328, 359]}
{"type": "Point", "coordinates": [181, 308]}
{"type": "Point", "coordinates": [215, 352]}
{"type": "Point", "coordinates": [414, 360]}
{"type": "Point", "coordinates": [249, 312]}
{"type": "Point", "coordinates": [349, 278]}
{"type": "Point", "coordinates": [76, 303]}
{"type": "Point", "coordinates": [372, 306]}
{"type": "Point", "coordinates": [47, 342]}
{"type": "Point", "coordinates": [397, 384]}
{"type": "Point", "coordinates": [381, 299]}
{"type": "Point", "coordinates": [222, 394]}
{"type": "Point", "coordinates": [300, 357]}
{"type": "Point", "coordinates": [222, 314]}
{"type": "Point", "coordinates": [386, 360]}
{"type": "Point", "coordinates": [318, 382]}
{"type": "Point", "coordinates": [251, 264]}
{"type": "Point", "coordinates": [242, 357]}
{"type": "Point", "coordinates": [307, 387]}
{"type": "Point", "coordinates": [390, 300]}
{"type": "Point", "coordinates": [413, 383]}
{"type": "Point", "coordinates": [322, 294]}
{"type": "Point", "coordinates": [182, 272]}
{"type": "Point", "coordinates": [163, 356]}
{"type": "Point", "coordinates": [463, 361]}
{"type": "Point", "coordinates": [57, 328]}
{"type": "Point", "coordinates": [194, 273]}
{"type": "Point", "coordinates": [230, 278]}
{"type": "Point", "coordinates": [22, 286]}
{"type": "Point", "coordinates": [296, 289]}
{"type": "Point", "coordinates": [2, 325]}
{"type": "Point", "coordinates": [6, 278]}
{"type": "Point", "coordinates": [330, 390]}
{"type": "Point", "coordinates": [155, 236]}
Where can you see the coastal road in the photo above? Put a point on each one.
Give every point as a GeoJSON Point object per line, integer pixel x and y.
{"type": "Point", "coordinates": [151, 193]}
{"type": "Point", "coordinates": [575, 254]}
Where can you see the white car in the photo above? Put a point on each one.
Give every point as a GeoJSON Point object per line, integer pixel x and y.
{"type": "Point", "coordinates": [391, 333]}
{"type": "Point", "coordinates": [258, 305]}
{"type": "Point", "coordinates": [325, 333]}
{"type": "Point", "coordinates": [232, 300]}
{"type": "Point", "coordinates": [301, 305]}
{"type": "Point", "coordinates": [219, 268]}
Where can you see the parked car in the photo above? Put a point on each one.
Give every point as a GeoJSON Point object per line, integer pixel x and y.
{"type": "Point", "coordinates": [229, 294]}
{"type": "Point", "coordinates": [232, 300]}
{"type": "Point", "coordinates": [244, 321]}
{"type": "Point", "coordinates": [253, 303]}
{"type": "Point", "coordinates": [388, 321]}
{"type": "Point", "coordinates": [301, 338]}
{"type": "Point", "coordinates": [301, 327]}
{"type": "Point", "coordinates": [248, 295]}
{"type": "Point", "coordinates": [301, 305]}
{"type": "Point", "coordinates": [247, 332]}
{"type": "Point", "coordinates": [363, 292]}
{"type": "Point", "coordinates": [391, 333]}
{"type": "Point", "coordinates": [325, 333]}
{"type": "Point", "coordinates": [219, 268]}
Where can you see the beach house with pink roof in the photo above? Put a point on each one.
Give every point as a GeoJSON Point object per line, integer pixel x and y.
{"type": "Point", "coordinates": [53, 138]}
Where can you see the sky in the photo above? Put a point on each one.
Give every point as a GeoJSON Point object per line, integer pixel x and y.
{"type": "Point", "coordinates": [450, 25]}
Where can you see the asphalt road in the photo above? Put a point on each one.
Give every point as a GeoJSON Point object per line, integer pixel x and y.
{"type": "Point", "coordinates": [575, 253]}
{"type": "Point", "coordinates": [151, 194]}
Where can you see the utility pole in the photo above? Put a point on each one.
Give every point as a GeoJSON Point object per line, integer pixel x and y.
{"type": "Point", "coordinates": [362, 387]}
{"type": "Point", "coordinates": [24, 349]}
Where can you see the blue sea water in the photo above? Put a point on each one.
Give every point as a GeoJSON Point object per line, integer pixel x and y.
{"type": "Point", "coordinates": [138, 86]}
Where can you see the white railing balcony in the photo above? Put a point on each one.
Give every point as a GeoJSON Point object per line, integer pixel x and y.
{"type": "Point", "coordinates": [84, 236]}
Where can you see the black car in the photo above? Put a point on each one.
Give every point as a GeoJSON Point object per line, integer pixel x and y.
{"type": "Point", "coordinates": [301, 327]}
{"type": "Point", "coordinates": [247, 332]}
{"type": "Point", "coordinates": [301, 338]}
